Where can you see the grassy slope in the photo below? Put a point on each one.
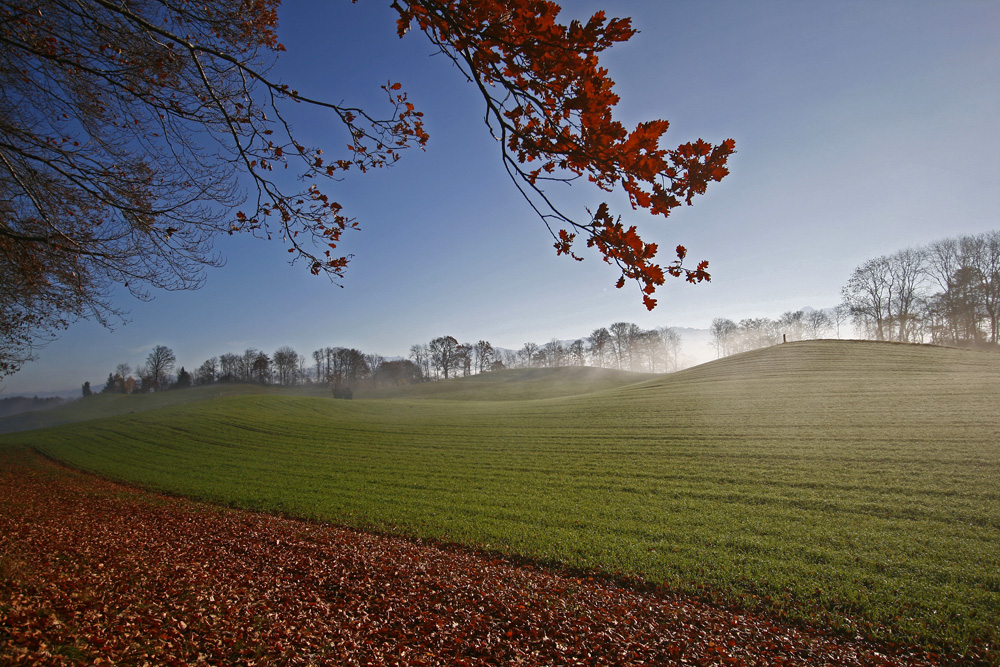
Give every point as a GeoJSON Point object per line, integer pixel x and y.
{"type": "Point", "coordinates": [834, 481]}
{"type": "Point", "coordinates": [100, 406]}
{"type": "Point", "coordinates": [516, 384]}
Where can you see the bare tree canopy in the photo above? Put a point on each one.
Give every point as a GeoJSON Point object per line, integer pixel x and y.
{"type": "Point", "coordinates": [126, 128]}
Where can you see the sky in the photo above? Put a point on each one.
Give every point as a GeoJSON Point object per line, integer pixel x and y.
{"type": "Point", "coordinates": [861, 128]}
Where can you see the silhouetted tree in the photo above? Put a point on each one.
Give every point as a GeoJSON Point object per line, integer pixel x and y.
{"type": "Point", "coordinates": [484, 356]}
{"type": "Point", "coordinates": [724, 332]}
{"type": "Point", "coordinates": [86, 389]}
{"type": "Point", "coordinates": [397, 372]}
{"type": "Point", "coordinates": [229, 367]}
{"type": "Point", "coordinates": [446, 355]}
{"type": "Point", "coordinates": [207, 372]}
{"type": "Point", "coordinates": [599, 345]}
{"type": "Point", "coordinates": [286, 363]}
{"type": "Point", "coordinates": [159, 363]}
{"type": "Point", "coordinates": [183, 379]}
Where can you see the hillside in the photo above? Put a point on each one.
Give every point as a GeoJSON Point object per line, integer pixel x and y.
{"type": "Point", "coordinates": [852, 484]}
{"type": "Point", "coordinates": [99, 406]}
{"type": "Point", "coordinates": [516, 384]}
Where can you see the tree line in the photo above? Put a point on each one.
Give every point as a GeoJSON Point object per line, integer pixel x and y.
{"type": "Point", "coordinates": [731, 337]}
{"type": "Point", "coordinates": [947, 293]}
{"type": "Point", "coordinates": [623, 345]}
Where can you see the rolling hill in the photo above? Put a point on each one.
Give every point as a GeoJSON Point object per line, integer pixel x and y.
{"type": "Point", "coordinates": [852, 484]}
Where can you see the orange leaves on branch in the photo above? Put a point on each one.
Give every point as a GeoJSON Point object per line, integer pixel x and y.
{"type": "Point", "coordinates": [550, 102]}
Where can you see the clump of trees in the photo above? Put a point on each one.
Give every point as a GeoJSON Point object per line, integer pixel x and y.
{"type": "Point", "coordinates": [752, 333]}
{"type": "Point", "coordinates": [623, 346]}
{"type": "Point", "coordinates": [947, 292]}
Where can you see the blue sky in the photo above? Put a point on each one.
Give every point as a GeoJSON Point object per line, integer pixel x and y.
{"type": "Point", "coordinates": [861, 128]}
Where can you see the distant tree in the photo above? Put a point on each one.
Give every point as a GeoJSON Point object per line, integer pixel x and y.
{"type": "Point", "coordinates": [983, 251]}
{"type": "Point", "coordinates": [286, 364]}
{"type": "Point", "coordinates": [577, 352]}
{"type": "Point", "coordinates": [647, 351]}
{"type": "Point", "coordinates": [421, 356]}
{"type": "Point", "coordinates": [86, 389]}
{"type": "Point", "coordinates": [599, 346]}
{"type": "Point", "coordinates": [260, 369]}
{"type": "Point", "coordinates": [397, 372]}
{"type": "Point", "coordinates": [867, 294]}
{"type": "Point", "coordinates": [207, 372]}
{"type": "Point", "coordinates": [528, 355]}
{"type": "Point", "coordinates": [841, 313]}
{"type": "Point", "coordinates": [884, 294]}
{"type": "Point", "coordinates": [484, 355]}
{"type": "Point", "coordinates": [110, 385]}
{"type": "Point", "coordinates": [724, 332]}
{"type": "Point", "coordinates": [247, 360]}
{"type": "Point", "coordinates": [623, 336]}
{"type": "Point", "coordinates": [145, 382]}
{"type": "Point", "coordinates": [671, 342]}
{"type": "Point", "coordinates": [817, 323]}
{"type": "Point", "coordinates": [122, 371]}
{"type": "Point", "coordinates": [552, 354]}
{"type": "Point", "coordinates": [445, 355]}
{"type": "Point", "coordinates": [319, 359]}
{"type": "Point", "coordinates": [229, 367]}
{"type": "Point", "coordinates": [755, 333]}
{"type": "Point", "coordinates": [183, 379]}
{"type": "Point", "coordinates": [907, 270]}
{"type": "Point", "coordinates": [374, 362]}
{"type": "Point", "coordinates": [159, 363]}
{"type": "Point", "coordinates": [792, 325]}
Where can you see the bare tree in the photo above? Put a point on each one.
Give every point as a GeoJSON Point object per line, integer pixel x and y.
{"type": "Point", "coordinates": [528, 355]}
{"type": "Point", "coordinates": [599, 345]}
{"type": "Point", "coordinates": [671, 342]}
{"type": "Point", "coordinates": [207, 372]}
{"type": "Point", "coordinates": [484, 355]}
{"type": "Point", "coordinates": [374, 363]}
{"type": "Point", "coordinates": [260, 369]}
{"type": "Point", "coordinates": [907, 274]}
{"type": "Point", "coordinates": [984, 258]}
{"type": "Point", "coordinates": [867, 294]}
{"type": "Point", "coordinates": [446, 355]}
{"type": "Point", "coordinates": [841, 313]}
{"type": "Point", "coordinates": [159, 363]}
{"type": "Point", "coordinates": [421, 356]}
{"type": "Point", "coordinates": [623, 334]}
{"type": "Point", "coordinates": [247, 359]}
{"type": "Point", "coordinates": [792, 325]}
{"type": "Point", "coordinates": [286, 363]}
{"type": "Point", "coordinates": [577, 352]}
{"type": "Point", "coordinates": [817, 323]}
{"type": "Point", "coordinates": [229, 367]}
{"type": "Point", "coordinates": [724, 332]}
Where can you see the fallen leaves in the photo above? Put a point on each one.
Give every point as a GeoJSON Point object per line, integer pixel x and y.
{"type": "Point", "coordinates": [97, 572]}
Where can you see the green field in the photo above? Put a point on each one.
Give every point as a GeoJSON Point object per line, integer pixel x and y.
{"type": "Point", "coordinates": [851, 484]}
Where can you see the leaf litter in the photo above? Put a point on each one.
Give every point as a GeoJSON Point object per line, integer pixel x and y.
{"type": "Point", "coordinates": [94, 572]}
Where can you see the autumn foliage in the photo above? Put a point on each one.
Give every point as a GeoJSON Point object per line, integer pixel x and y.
{"type": "Point", "coordinates": [133, 134]}
{"type": "Point", "coordinates": [96, 573]}
{"type": "Point", "coordinates": [549, 103]}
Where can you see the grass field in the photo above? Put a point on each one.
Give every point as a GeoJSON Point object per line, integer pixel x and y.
{"type": "Point", "coordinates": [856, 485]}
